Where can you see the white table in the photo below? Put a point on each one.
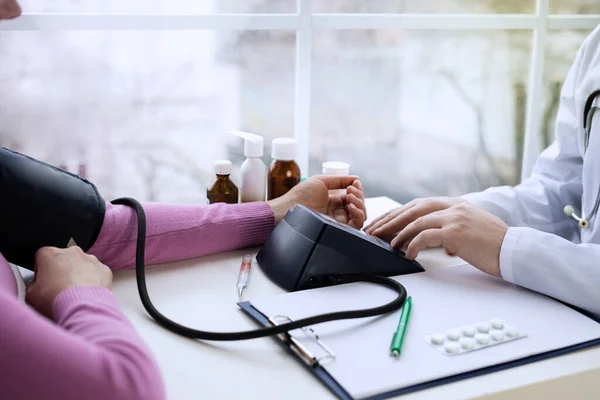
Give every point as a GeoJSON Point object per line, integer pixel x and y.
{"type": "Point", "coordinates": [201, 293]}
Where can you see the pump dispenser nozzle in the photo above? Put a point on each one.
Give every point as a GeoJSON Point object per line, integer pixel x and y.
{"type": "Point", "coordinates": [253, 144]}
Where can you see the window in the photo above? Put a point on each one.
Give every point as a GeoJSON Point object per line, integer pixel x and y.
{"type": "Point", "coordinates": [420, 6]}
{"type": "Point", "coordinates": [421, 98]}
{"type": "Point", "coordinates": [391, 102]}
{"type": "Point", "coordinates": [143, 113]}
{"type": "Point", "coordinates": [561, 49]}
{"type": "Point", "coordinates": [574, 7]}
{"type": "Point", "coordinates": [160, 6]}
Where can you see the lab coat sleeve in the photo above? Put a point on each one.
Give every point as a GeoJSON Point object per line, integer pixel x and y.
{"type": "Point", "coordinates": [556, 180]}
{"type": "Point", "coordinates": [553, 266]}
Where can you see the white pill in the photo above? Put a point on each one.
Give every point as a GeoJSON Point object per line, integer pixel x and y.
{"type": "Point", "coordinates": [497, 323]}
{"type": "Point", "coordinates": [451, 347]}
{"type": "Point", "coordinates": [483, 327]}
{"type": "Point", "coordinates": [437, 338]}
{"type": "Point", "coordinates": [482, 339]}
{"type": "Point", "coordinates": [511, 331]}
{"type": "Point", "coordinates": [453, 334]}
{"type": "Point", "coordinates": [467, 343]}
{"type": "Point", "coordinates": [469, 331]}
{"type": "Point", "coordinates": [497, 335]}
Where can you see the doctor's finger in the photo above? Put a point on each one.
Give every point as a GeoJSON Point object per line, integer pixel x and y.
{"type": "Point", "coordinates": [377, 222]}
{"type": "Point", "coordinates": [431, 221]}
{"type": "Point", "coordinates": [387, 217]}
{"type": "Point", "coordinates": [405, 219]}
{"type": "Point", "coordinates": [424, 240]}
{"type": "Point", "coordinates": [398, 222]}
{"type": "Point", "coordinates": [422, 207]}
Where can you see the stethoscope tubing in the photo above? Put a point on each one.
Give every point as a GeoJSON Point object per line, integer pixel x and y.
{"type": "Point", "coordinates": [588, 115]}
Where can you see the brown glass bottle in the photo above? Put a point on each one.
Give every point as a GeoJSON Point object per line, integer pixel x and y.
{"type": "Point", "coordinates": [283, 176]}
{"type": "Point", "coordinates": [222, 189]}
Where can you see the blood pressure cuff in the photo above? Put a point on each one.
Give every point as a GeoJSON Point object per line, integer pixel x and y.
{"type": "Point", "coordinates": [41, 205]}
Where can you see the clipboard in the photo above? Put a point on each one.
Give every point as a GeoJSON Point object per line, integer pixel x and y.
{"type": "Point", "coordinates": [314, 364]}
{"type": "Point", "coordinates": [318, 371]}
{"type": "Point", "coordinates": [305, 357]}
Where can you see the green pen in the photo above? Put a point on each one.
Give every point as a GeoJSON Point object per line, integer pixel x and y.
{"type": "Point", "coordinates": [401, 331]}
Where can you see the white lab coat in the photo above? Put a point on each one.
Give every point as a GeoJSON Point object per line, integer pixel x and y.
{"type": "Point", "coordinates": [544, 249]}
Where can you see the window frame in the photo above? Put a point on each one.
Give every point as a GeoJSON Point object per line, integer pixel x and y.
{"type": "Point", "coordinates": [304, 22]}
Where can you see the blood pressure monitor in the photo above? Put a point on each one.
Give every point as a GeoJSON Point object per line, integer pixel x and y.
{"type": "Point", "coordinates": [307, 247]}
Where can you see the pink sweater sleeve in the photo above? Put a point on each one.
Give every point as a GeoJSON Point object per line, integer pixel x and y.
{"type": "Point", "coordinates": [92, 352]}
{"type": "Point", "coordinates": [178, 232]}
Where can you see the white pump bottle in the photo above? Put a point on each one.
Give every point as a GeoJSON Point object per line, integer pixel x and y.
{"type": "Point", "coordinates": [253, 170]}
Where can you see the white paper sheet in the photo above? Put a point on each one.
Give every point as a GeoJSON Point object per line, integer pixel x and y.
{"type": "Point", "coordinates": [442, 299]}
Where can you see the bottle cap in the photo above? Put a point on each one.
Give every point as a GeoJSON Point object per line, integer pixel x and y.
{"type": "Point", "coordinates": [253, 144]}
{"type": "Point", "coordinates": [284, 149]}
{"type": "Point", "coordinates": [336, 168]}
{"type": "Point", "coordinates": [222, 167]}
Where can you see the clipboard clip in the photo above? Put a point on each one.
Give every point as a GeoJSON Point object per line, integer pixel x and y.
{"type": "Point", "coordinates": [298, 347]}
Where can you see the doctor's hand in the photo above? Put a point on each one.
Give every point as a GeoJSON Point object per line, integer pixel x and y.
{"type": "Point", "coordinates": [347, 207]}
{"type": "Point", "coordinates": [464, 230]}
{"type": "Point", "coordinates": [389, 224]}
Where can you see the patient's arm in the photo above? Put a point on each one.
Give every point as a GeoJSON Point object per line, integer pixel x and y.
{"type": "Point", "coordinates": [178, 232]}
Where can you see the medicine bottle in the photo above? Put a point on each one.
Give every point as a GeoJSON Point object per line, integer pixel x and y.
{"type": "Point", "coordinates": [284, 173]}
{"type": "Point", "coordinates": [222, 189]}
{"type": "Point", "coordinates": [336, 168]}
{"type": "Point", "coordinates": [253, 171]}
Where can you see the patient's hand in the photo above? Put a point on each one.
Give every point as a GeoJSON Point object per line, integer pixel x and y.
{"type": "Point", "coordinates": [313, 193]}
{"type": "Point", "coordinates": [57, 270]}
{"type": "Point", "coordinates": [9, 9]}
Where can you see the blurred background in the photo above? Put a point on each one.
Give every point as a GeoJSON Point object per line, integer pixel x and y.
{"type": "Point", "coordinates": [146, 113]}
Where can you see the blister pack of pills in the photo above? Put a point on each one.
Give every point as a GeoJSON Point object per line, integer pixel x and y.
{"type": "Point", "coordinates": [466, 338]}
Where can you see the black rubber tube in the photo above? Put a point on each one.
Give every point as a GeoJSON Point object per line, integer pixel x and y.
{"type": "Point", "coordinates": [262, 332]}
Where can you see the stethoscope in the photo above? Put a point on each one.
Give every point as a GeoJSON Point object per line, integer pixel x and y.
{"type": "Point", "coordinates": [588, 115]}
